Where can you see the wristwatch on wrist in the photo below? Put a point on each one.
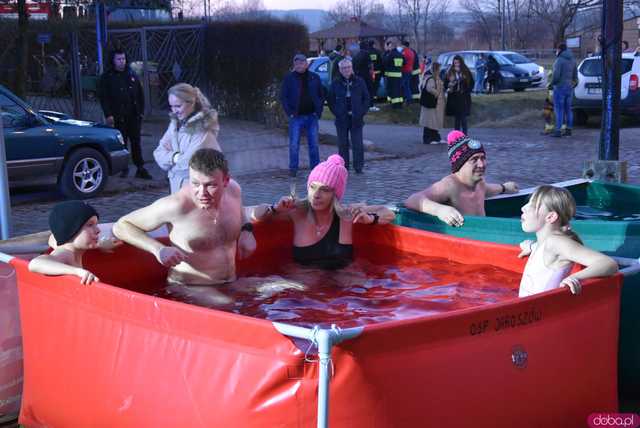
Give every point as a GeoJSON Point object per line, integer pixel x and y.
{"type": "Point", "coordinates": [175, 157]}
{"type": "Point", "coordinates": [503, 189]}
{"type": "Point", "coordinates": [375, 216]}
{"type": "Point", "coordinates": [247, 227]}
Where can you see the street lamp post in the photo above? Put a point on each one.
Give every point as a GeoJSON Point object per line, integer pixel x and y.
{"type": "Point", "coordinates": [608, 167]}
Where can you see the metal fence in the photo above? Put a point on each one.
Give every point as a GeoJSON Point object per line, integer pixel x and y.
{"type": "Point", "coordinates": [162, 56]}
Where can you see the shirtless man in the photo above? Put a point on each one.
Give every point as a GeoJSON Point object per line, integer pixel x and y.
{"type": "Point", "coordinates": [205, 220]}
{"type": "Point", "coordinates": [463, 191]}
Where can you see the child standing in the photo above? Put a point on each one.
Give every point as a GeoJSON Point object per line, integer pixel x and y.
{"type": "Point", "coordinates": [74, 225]}
{"type": "Point", "coordinates": [551, 257]}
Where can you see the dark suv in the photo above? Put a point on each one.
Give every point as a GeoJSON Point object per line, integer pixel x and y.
{"type": "Point", "coordinates": [511, 76]}
{"type": "Point", "coordinates": [81, 154]}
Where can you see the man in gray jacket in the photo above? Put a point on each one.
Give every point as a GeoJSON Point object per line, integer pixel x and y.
{"type": "Point", "coordinates": [565, 77]}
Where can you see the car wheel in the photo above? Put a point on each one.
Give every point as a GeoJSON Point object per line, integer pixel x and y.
{"type": "Point", "coordinates": [580, 117]}
{"type": "Point", "coordinates": [84, 174]}
{"type": "Point", "coordinates": [518, 89]}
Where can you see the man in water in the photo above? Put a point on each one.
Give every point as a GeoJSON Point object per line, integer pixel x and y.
{"type": "Point", "coordinates": [464, 190]}
{"type": "Point", "coordinates": [205, 220]}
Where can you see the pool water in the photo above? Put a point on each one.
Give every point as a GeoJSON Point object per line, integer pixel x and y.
{"type": "Point", "coordinates": [368, 291]}
{"type": "Point", "coordinates": [587, 212]}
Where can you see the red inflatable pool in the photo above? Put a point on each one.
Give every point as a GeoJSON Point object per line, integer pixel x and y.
{"type": "Point", "coordinates": [105, 355]}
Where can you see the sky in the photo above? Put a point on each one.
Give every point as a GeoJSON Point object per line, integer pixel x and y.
{"type": "Point", "coordinates": [298, 4]}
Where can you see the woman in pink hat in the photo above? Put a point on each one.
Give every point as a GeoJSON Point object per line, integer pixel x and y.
{"type": "Point", "coordinates": [322, 225]}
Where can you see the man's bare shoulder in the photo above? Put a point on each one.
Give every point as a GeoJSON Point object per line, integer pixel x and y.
{"type": "Point", "coordinates": [233, 188]}
{"type": "Point", "coordinates": [443, 188]}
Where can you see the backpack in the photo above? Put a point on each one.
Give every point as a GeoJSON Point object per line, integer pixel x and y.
{"type": "Point", "coordinates": [427, 100]}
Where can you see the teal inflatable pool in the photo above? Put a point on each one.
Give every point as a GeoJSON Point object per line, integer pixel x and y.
{"type": "Point", "coordinates": [608, 220]}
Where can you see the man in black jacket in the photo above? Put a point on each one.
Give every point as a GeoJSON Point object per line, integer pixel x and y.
{"type": "Point", "coordinates": [122, 102]}
{"type": "Point", "coordinates": [349, 101]}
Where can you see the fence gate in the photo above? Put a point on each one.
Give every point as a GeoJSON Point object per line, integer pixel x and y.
{"type": "Point", "coordinates": [162, 56]}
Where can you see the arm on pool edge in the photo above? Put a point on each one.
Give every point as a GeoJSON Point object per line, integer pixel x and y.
{"type": "Point", "coordinates": [432, 201]}
{"type": "Point", "coordinates": [280, 209]}
{"type": "Point", "coordinates": [133, 228]}
{"type": "Point", "coordinates": [595, 263]}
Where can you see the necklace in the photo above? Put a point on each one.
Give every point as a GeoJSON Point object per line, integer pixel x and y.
{"type": "Point", "coordinates": [320, 228]}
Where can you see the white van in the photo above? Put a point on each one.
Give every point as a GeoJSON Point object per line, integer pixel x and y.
{"type": "Point", "coordinates": [588, 93]}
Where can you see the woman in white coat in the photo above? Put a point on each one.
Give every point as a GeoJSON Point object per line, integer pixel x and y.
{"type": "Point", "coordinates": [194, 125]}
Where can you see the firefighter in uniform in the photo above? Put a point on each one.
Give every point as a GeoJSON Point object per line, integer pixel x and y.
{"type": "Point", "coordinates": [376, 60]}
{"type": "Point", "coordinates": [393, 62]}
{"type": "Point", "coordinates": [415, 74]}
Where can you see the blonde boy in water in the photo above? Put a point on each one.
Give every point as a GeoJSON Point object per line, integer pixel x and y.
{"type": "Point", "coordinates": [557, 247]}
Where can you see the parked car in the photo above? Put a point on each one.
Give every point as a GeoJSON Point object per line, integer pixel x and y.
{"type": "Point", "coordinates": [80, 154]}
{"type": "Point", "coordinates": [511, 76]}
{"type": "Point", "coordinates": [587, 95]}
{"type": "Point", "coordinates": [320, 66]}
{"type": "Point", "coordinates": [538, 76]}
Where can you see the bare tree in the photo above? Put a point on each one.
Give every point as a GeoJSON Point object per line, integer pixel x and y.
{"type": "Point", "coordinates": [486, 18]}
{"type": "Point", "coordinates": [559, 14]}
{"type": "Point", "coordinates": [365, 10]}
{"type": "Point", "coordinates": [415, 15]}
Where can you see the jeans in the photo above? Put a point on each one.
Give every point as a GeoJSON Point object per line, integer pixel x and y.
{"type": "Point", "coordinates": [296, 124]}
{"type": "Point", "coordinates": [461, 123]}
{"type": "Point", "coordinates": [343, 131]}
{"type": "Point", "coordinates": [479, 85]}
{"type": "Point", "coordinates": [562, 105]}
{"type": "Point", "coordinates": [406, 87]}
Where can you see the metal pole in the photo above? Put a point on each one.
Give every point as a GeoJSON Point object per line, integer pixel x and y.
{"type": "Point", "coordinates": [101, 33]}
{"type": "Point", "coordinates": [611, 48]}
{"type": "Point", "coordinates": [5, 200]}
{"type": "Point", "coordinates": [76, 83]}
{"type": "Point", "coordinates": [145, 73]}
{"type": "Point", "coordinates": [324, 340]}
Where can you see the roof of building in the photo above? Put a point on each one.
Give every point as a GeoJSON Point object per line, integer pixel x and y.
{"type": "Point", "coordinates": [353, 29]}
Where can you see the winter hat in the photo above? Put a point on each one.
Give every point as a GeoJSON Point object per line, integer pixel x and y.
{"type": "Point", "coordinates": [67, 218]}
{"type": "Point", "coordinates": [331, 173]}
{"type": "Point", "coordinates": [461, 148]}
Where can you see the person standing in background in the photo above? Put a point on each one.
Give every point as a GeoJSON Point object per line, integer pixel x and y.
{"type": "Point", "coordinates": [122, 101]}
{"type": "Point", "coordinates": [348, 100]}
{"type": "Point", "coordinates": [302, 98]}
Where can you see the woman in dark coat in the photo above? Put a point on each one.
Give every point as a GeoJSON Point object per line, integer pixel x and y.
{"type": "Point", "coordinates": [459, 83]}
{"type": "Point", "coordinates": [493, 74]}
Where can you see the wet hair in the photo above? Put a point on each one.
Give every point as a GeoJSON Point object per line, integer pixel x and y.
{"type": "Point", "coordinates": [560, 201]}
{"type": "Point", "coordinates": [207, 161]}
{"type": "Point", "coordinates": [192, 95]}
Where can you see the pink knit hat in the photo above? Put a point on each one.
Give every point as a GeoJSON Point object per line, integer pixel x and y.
{"type": "Point", "coordinates": [331, 173]}
{"type": "Point", "coordinates": [461, 148]}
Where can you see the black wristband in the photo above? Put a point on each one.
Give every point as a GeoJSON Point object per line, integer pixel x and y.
{"type": "Point", "coordinates": [376, 217]}
{"type": "Point", "coordinates": [504, 189]}
{"type": "Point", "coordinates": [271, 209]}
{"type": "Point", "coordinates": [247, 227]}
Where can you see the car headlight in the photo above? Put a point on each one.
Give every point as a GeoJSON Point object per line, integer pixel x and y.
{"type": "Point", "coordinates": [541, 69]}
{"type": "Point", "coordinates": [120, 139]}
{"type": "Point", "coordinates": [507, 74]}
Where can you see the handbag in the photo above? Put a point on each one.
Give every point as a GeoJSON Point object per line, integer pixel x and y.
{"type": "Point", "coordinates": [427, 99]}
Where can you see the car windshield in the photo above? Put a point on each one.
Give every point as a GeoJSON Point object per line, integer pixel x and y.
{"type": "Point", "coordinates": [516, 58]}
{"type": "Point", "coordinates": [593, 67]}
{"type": "Point", "coordinates": [501, 59]}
